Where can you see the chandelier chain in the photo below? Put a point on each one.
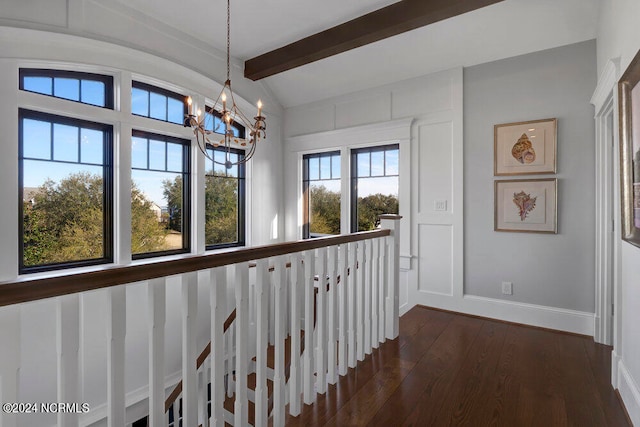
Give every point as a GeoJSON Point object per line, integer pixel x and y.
{"type": "Point", "coordinates": [228, 37]}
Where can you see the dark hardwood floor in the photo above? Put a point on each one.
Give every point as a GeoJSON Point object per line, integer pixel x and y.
{"type": "Point", "coordinates": [447, 369]}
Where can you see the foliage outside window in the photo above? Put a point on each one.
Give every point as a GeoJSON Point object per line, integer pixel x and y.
{"type": "Point", "coordinates": [65, 186]}
{"type": "Point", "coordinates": [159, 195]}
{"type": "Point", "coordinates": [224, 200]}
{"type": "Point", "coordinates": [374, 185]}
{"type": "Point", "coordinates": [86, 88]}
{"type": "Point", "coordinates": [321, 194]}
{"type": "Point", "coordinates": [157, 103]}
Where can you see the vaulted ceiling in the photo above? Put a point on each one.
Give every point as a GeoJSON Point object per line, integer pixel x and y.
{"type": "Point", "coordinates": [505, 29]}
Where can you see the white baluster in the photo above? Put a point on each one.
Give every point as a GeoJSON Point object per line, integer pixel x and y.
{"type": "Point", "coordinates": [116, 330]}
{"type": "Point", "coordinates": [296, 280]}
{"type": "Point", "coordinates": [176, 412]}
{"type": "Point", "coordinates": [203, 417]}
{"type": "Point", "coordinates": [67, 343]}
{"type": "Point", "coordinates": [332, 268]}
{"type": "Point", "coordinates": [10, 356]}
{"type": "Point", "coordinates": [218, 296]}
{"type": "Point", "coordinates": [351, 304]}
{"type": "Point", "coordinates": [321, 322]}
{"type": "Point", "coordinates": [241, 411]}
{"type": "Point", "coordinates": [392, 222]}
{"type": "Point", "coordinates": [367, 295]}
{"type": "Point", "coordinates": [382, 289]}
{"type": "Point", "coordinates": [360, 303]}
{"type": "Point", "coordinates": [262, 323]}
{"type": "Point", "coordinates": [157, 317]}
{"type": "Point", "coordinates": [375, 293]}
{"type": "Point", "coordinates": [279, 276]}
{"type": "Point", "coordinates": [342, 309]}
{"type": "Point", "coordinates": [189, 352]}
{"type": "Point", "coordinates": [309, 272]}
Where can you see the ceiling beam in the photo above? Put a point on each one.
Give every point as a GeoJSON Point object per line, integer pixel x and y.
{"type": "Point", "coordinates": [389, 21]}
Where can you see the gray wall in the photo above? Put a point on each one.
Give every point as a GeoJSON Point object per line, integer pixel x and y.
{"type": "Point", "coordinates": [546, 269]}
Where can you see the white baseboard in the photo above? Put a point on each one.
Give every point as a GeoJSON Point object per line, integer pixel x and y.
{"type": "Point", "coordinates": [630, 393]}
{"type": "Point", "coordinates": [561, 319]}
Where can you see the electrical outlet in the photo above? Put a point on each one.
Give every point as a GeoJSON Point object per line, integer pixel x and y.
{"type": "Point", "coordinates": [507, 288]}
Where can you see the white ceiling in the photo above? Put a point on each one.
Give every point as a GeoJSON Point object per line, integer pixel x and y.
{"type": "Point", "coordinates": [509, 28]}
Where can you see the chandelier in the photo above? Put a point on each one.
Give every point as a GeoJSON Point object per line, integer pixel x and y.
{"type": "Point", "coordinates": [225, 106]}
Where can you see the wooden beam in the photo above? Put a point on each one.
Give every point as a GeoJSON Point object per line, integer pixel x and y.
{"type": "Point", "coordinates": [389, 21]}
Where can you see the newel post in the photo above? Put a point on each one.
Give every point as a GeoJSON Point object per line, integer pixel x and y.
{"type": "Point", "coordinates": [392, 303]}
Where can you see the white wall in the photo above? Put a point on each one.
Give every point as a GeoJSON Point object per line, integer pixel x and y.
{"type": "Point", "coordinates": [553, 270]}
{"type": "Point", "coordinates": [619, 39]}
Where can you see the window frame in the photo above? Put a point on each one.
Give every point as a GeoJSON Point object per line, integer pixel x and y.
{"type": "Point", "coordinates": [353, 184]}
{"type": "Point", "coordinates": [136, 84]}
{"type": "Point", "coordinates": [107, 197]}
{"type": "Point", "coordinates": [306, 194]}
{"type": "Point", "coordinates": [186, 191]}
{"type": "Point", "coordinates": [79, 75]}
{"type": "Point", "coordinates": [242, 131]}
{"type": "Point", "coordinates": [242, 202]}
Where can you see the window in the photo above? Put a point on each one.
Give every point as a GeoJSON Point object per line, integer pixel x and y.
{"type": "Point", "coordinates": [321, 194]}
{"type": "Point", "coordinates": [66, 192]}
{"type": "Point", "coordinates": [213, 122]}
{"type": "Point", "coordinates": [374, 185]}
{"type": "Point", "coordinates": [156, 103]}
{"type": "Point", "coordinates": [87, 88]}
{"type": "Point", "coordinates": [160, 191]}
{"type": "Point", "coordinates": [224, 199]}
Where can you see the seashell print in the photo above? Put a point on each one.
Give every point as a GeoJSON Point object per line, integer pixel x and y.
{"type": "Point", "coordinates": [523, 150]}
{"type": "Point", "coordinates": [525, 203]}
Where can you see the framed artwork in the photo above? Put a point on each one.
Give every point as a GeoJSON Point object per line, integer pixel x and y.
{"type": "Point", "coordinates": [526, 205]}
{"type": "Point", "coordinates": [525, 147]}
{"type": "Point", "coordinates": [629, 98]}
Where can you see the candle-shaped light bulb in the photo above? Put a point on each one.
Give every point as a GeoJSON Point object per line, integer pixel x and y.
{"type": "Point", "coordinates": [224, 101]}
{"type": "Point", "coordinates": [199, 112]}
{"type": "Point", "coordinates": [259, 108]}
{"type": "Point", "coordinates": [189, 103]}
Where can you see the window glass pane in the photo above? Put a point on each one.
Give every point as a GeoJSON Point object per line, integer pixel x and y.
{"type": "Point", "coordinates": [156, 211]}
{"type": "Point", "coordinates": [325, 167]}
{"type": "Point", "coordinates": [92, 92]}
{"type": "Point", "coordinates": [91, 146]}
{"type": "Point", "coordinates": [38, 84]}
{"type": "Point", "coordinates": [335, 166]}
{"type": "Point", "coordinates": [63, 211]}
{"type": "Point", "coordinates": [36, 136]}
{"type": "Point", "coordinates": [139, 152]}
{"type": "Point", "coordinates": [174, 157]}
{"type": "Point", "coordinates": [157, 155]}
{"type": "Point", "coordinates": [363, 164]}
{"type": "Point", "coordinates": [324, 207]}
{"type": "Point", "coordinates": [208, 121]}
{"type": "Point", "coordinates": [176, 111]}
{"type": "Point", "coordinates": [157, 106]}
{"type": "Point", "coordinates": [219, 157]}
{"type": "Point", "coordinates": [376, 196]}
{"type": "Point", "coordinates": [218, 125]}
{"type": "Point", "coordinates": [221, 200]}
{"type": "Point", "coordinates": [65, 143]}
{"type": "Point", "coordinates": [139, 102]}
{"type": "Point", "coordinates": [392, 162]}
{"type": "Point", "coordinates": [66, 88]}
{"type": "Point", "coordinates": [233, 170]}
{"type": "Point", "coordinates": [377, 163]}
{"type": "Point", "coordinates": [236, 131]}
{"type": "Point", "coordinates": [314, 168]}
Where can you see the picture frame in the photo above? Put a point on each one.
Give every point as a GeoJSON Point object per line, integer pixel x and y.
{"type": "Point", "coordinates": [629, 109]}
{"type": "Point", "coordinates": [525, 147]}
{"type": "Point", "coordinates": [526, 205]}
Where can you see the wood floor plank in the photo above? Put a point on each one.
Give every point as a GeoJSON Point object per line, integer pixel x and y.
{"type": "Point", "coordinates": [453, 370]}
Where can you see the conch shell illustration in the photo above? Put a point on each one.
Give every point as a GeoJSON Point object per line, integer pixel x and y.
{"type": "Point", "coordinates": [523, 150]}
{"type": "Point", "coordinates": [525, 203]}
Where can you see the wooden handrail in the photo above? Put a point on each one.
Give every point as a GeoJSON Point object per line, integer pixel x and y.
{"type": "Point", "coordinates": [203, 356]}
{"type": "Point", "coordinates": [33, 289]}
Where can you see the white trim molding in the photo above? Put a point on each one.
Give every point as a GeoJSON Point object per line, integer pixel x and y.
{"type": "Point", "coordinates": [561, 319]}
{"type": "Point", "coordinates": [630, 393]}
